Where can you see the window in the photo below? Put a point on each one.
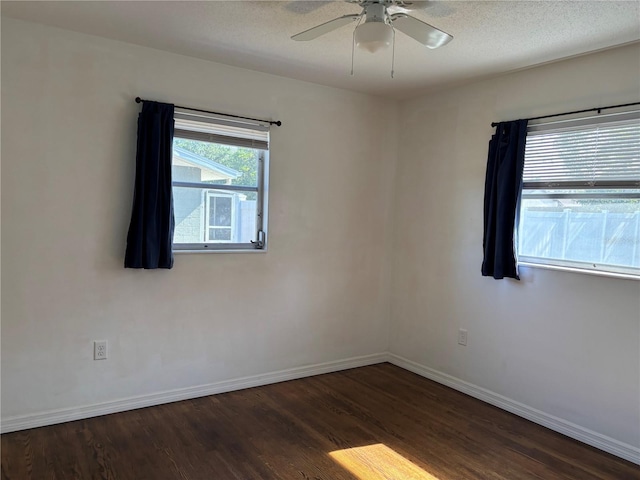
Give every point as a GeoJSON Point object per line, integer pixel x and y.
{"type": "Point", "coordinates": [219, 170]}
{"type": "Point", "coordinates": [580, 205]}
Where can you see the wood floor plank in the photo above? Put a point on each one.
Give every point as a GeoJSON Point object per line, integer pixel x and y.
{"type": "Point", "coordinates": [370, 423]}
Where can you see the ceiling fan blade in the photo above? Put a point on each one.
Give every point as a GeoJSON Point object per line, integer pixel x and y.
{"type": "Point", "coordinates": [406, 6]}
{"type": "Point", "coordinates": [327, 27]}
{"type": "Point", "coordinates": [424, 33]}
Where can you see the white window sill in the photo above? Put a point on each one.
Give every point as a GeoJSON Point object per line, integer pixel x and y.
{"type": "Point", "coordinates": [206, 250]}
{"type": "Point", "coordinates": [600, 273]}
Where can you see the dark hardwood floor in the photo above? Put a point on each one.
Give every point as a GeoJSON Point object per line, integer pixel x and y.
{"type": "Point", "coordinates": [370, 423]}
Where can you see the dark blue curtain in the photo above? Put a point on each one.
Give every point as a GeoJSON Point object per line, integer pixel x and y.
{"type": "Point", "coordinates": [502, 188]}
{"type": "Point", "coordinates": [151, 229]}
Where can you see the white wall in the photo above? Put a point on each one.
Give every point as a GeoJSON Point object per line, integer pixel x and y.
{"type": "Point", "coordinates": [564, 343]}
{"type": "Point", "coordinates": [68, 157]}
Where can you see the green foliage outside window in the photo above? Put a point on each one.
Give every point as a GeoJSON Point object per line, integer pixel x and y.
{"type": "Point", "coordinates": [243, 160]}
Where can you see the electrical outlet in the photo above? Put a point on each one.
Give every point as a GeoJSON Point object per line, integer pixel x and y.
{"type": "Point", "coordinates": [462, 337]}
{"type": "Point", "coordinates": [100, 350]}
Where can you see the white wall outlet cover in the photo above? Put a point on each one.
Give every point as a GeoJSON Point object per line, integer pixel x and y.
{"type": "Point", "coordinates": [100, 350]}
{"type": "Point", "coordinates": [462, 337]}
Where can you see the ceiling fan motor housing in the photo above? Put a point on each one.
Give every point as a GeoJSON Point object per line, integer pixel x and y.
{"type": "Point", "coordinates": [376, 12]}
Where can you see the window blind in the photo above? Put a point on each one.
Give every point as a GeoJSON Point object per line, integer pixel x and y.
{"type": "Point", "coordinates": [597, 152]}
{"type": "Point", "coordinates": [210, 128]}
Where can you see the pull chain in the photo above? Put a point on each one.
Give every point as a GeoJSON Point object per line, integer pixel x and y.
{"type": "Point", "coordinates": [353, 43]}
{"type": "Point", "coordinates": [353, 50]}
{"type": "Point", "coordinates": [393, 51]}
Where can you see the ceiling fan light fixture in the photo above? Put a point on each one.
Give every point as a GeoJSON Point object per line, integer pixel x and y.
{"type": "Point", "coordinates": [373, 36]}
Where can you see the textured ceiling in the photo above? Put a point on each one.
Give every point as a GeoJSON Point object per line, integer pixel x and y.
{"type": "Point", "coordinates": [489, 37]}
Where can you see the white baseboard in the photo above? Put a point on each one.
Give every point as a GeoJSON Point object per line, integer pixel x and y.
{"type": "Point", "coordinates": [602, 442]}
{"type": "Point", "coordinates": [597, 440]}
{"type": "Point", "coordinates": [52, 417]}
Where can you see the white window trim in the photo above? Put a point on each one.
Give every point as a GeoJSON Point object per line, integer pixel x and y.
{"type": "Point", "coordinates": [573, 269]}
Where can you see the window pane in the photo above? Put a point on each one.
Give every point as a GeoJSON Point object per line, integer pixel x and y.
{"type": "Point", "coordinates": [188, 209]}
{"type": "Point", "coordinates": [196, 161]}
{"type": "Point", "coordinates": [234, 211]}
{"type": "Point", "coordinates": [583, 228]}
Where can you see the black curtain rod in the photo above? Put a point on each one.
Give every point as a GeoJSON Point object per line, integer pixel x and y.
{"type": "Point", "coordinates": [595, 109]}
{"type": "Point", "coordinates": [270, 122]}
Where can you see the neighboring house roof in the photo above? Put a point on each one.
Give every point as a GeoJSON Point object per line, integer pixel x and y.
{"type": "Point", "coordinates": [199, 161]}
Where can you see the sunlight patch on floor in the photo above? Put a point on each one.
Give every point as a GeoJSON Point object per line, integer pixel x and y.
{"type": "Point", "coordinates": [379, 462]}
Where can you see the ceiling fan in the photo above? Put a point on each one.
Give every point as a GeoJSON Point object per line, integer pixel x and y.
{"type": "Point", "coordinates": [381, 19]}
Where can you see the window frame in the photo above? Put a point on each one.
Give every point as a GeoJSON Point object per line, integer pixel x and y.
{"type": "Point", "coordinates": [584, 188]}
{"type": "Point", "coordinates": [226, 137]}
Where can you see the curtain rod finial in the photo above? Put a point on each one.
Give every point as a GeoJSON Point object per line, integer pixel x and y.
{"type": "Point", "coordinates": [278, 123]}
{"type": "Point", "coordinates": [138, 100]}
